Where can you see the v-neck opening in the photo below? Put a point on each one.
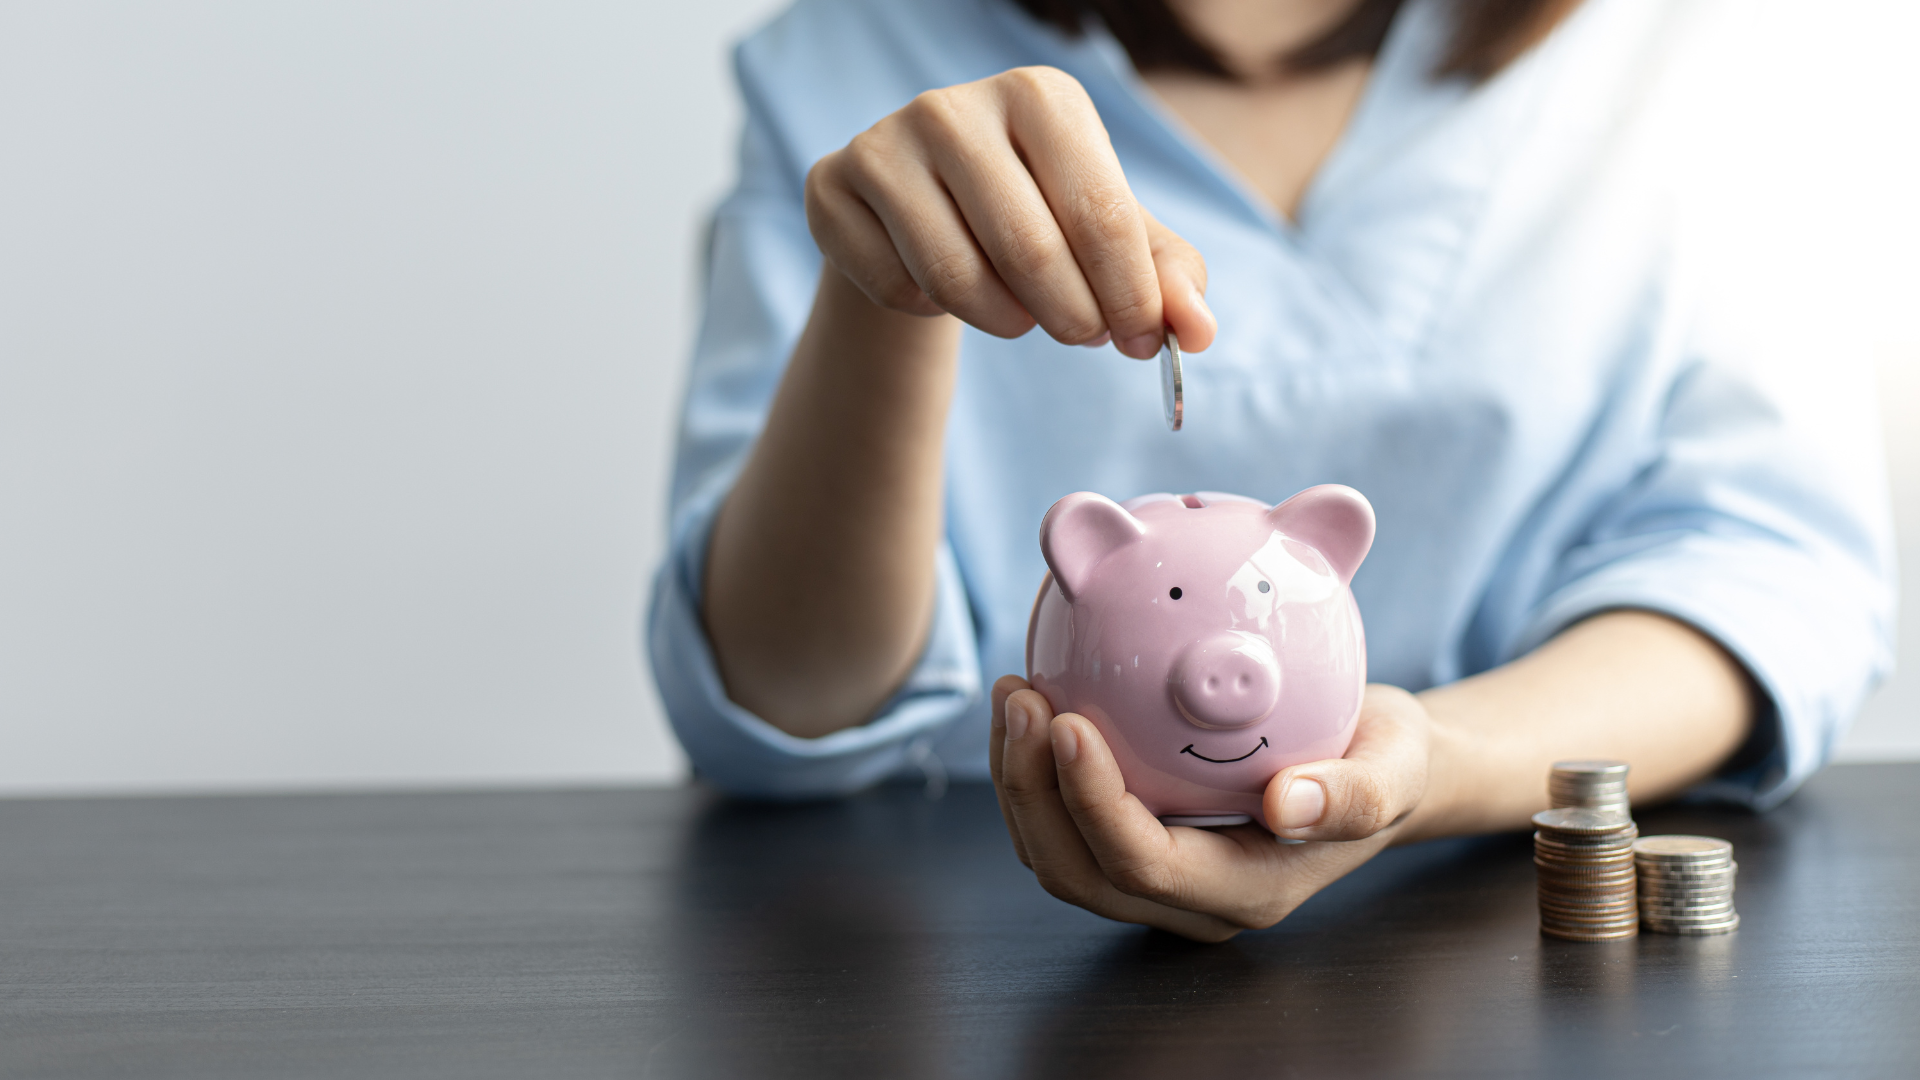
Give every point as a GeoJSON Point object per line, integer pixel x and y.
{"type": "Point", "coordinates": [1403, 58]}
{"type": "Point", "coordinates": [1386, 289]}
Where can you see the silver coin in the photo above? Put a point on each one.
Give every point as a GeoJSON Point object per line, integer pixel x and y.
{"type": "Point", "coordinates": [1688, 886]}
{"type": "Point", "coordinates": [1719, 925]}
{"type": "Point", "coordinates": [1702, 906]}
{"type": "Point", "coordinates": [1657, 865]}
{"type": "Point", "coordinates": [1172, 380]}
{"type": "Point", "coordinates": [1648, 899]}
{"type": "Point", "coordinates": [1595, 768]}
{"type": "Point", "coordinates": [1683, 849]}
{"type": "Point", "coordinates": [1560, 824]}
{"type": "Point", "coordinates": [1727, 927]}
{"type": "Point", "coordinates": [1692, 884]}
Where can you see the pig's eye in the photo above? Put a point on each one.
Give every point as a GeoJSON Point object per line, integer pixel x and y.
{"type": "Point", "coordinates": [1174, 592]}
{"type": "Point", "coordinates": [1264, 587]}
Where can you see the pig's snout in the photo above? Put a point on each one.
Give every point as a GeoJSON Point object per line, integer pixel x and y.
{"type": "Point", "coordinates": [1228, 680]}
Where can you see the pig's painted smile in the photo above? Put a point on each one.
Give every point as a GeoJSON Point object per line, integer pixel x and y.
{"type": "Point", "coordinates": [1188, 749]}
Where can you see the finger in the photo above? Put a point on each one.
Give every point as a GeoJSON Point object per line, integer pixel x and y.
{"type": "Point", "coordinates": [1183, 286]}
{"type": "Point", "coordinates": [1369, 790]}
{"type": "Point", "coordinates": [1024, 780]}
{"type": "Point", "coordinates": [856, 243]}
{"type": "Point", "coordinates": [1013, 224]}
{"type": "Point", "coordinates": [1025, 774]}
{"type": "Point", "coordinates": [1058, 132]}
{"type": "Point", "coordinates": [1238, 876]}
{"type": "Point", "coordinates": [996, 739]}
{"type": "Point", "coordinates": [1131, 846]}
{"type": "Point", "coordinates": [933, 239]}
{"type": "Point", "coordinates": [1054, 847]}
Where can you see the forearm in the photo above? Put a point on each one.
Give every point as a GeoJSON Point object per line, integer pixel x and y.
{"type": "Point", "coordinates": [1628, 685]}
{"type": "Point", "coordinates": [820, 572]}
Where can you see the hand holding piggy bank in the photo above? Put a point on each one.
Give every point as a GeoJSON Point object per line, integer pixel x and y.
{"type": "Point", "coordinates": [1212, 640]}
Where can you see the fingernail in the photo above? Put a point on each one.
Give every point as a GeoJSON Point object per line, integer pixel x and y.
{"type": "Point", "coordinates": [1066, 744]}
{"type": "Point", "coordinates": [1304, 802]}
{"type": "Point", "coordinates": [1142, 347]}
{"type": "Point", "coordinates": [1016, 722]}
{"type": "Point", "coordinates": [1099, 341]}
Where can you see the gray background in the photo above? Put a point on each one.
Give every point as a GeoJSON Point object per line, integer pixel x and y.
{"type": "Point", "coordinates": [339, 349]}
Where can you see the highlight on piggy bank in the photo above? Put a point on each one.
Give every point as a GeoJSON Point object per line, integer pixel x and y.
{"type": "Point", "coordinates": [1211, 638]}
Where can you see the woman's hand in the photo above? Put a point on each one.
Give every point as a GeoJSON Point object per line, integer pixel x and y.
{"type": "Point", "coordinates": [1001, 202]}
{"type": "Point", "coordinates": [1091, 843]}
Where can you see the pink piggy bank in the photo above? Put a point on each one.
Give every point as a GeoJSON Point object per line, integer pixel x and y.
{"type": "Point", "coordinates": [1212, 639]}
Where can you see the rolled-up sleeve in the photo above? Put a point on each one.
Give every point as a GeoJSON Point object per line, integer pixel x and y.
{"type": "Point", "coordinates": [1762, 520]}
{"type": "Point", "coordinates": [762, 269]}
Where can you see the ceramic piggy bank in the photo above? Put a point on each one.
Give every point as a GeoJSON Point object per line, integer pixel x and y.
{"type": "Point", "coordinates": [1212, 639]}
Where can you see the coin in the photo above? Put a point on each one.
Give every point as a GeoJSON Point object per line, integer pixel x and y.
{"type": "Point", "coordinates": [1585, 873]}
{"type": "Point", "coordinates": [1591, 933]}
{"type": "Point", "coordinates": [1693, 887]}
{"type": "Point", "coordinates": [1684, 871]}
{"type": "Point", "coordinates": [1574, 821]}
{"type": "Point", "coordinates": [1726, 927]}
{"type": "Point", "coordinates": [1678, 845]}
{"type": "Point", "coordinates": [1686, 884]}
{"type": "Point", "coordinates": [1172, 380]}
{"type": "Point", "coordinates": [1595, 784]}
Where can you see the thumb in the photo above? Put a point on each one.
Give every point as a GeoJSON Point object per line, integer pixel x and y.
{"type": "Point", "coordinates": [1379, 781]}
{"type": "Point", "coordinates": [1183, 286]}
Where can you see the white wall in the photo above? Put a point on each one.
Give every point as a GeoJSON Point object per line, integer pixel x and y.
{"type": "Point", "coordinates": [1889, 728]}
{"type": "Point", "coordinates": [339, 344]}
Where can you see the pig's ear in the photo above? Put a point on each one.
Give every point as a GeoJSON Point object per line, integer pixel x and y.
{"type": "Point", "coordinates": [1334, 519]}
{"type": "Point", "coordinates": [1079, 531]}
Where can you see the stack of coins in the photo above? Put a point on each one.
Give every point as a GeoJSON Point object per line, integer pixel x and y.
{"type": "Point", "coordinates": [1594, 785]}
{"type": "Point", "coordinates": [1686, 884]}
{"type": "Point", "coordinates": [1584, 859]}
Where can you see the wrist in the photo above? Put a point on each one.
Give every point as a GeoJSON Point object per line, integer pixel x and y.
{"type": "Point", "coordinates": [888, 373]}
{"type": "Point", "coordinates": [1445, 809]}
{"type": "Point", "coordinates": [852, 316]}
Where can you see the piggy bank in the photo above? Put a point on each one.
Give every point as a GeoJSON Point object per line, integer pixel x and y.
{"type": "Point", "coordinates": [1211, 638]}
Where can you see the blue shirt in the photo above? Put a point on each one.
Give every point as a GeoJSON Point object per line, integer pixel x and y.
{"type": "Point", "coordinates": [1485, 320]}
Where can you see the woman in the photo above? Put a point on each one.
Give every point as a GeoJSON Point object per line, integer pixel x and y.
{"type": "Point", "coordinates": [1439, 241]}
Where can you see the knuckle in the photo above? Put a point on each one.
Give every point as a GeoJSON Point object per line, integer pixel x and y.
{"type": "Point", "coordinates": [1131, 308]}
{"type": "Point", "coordinates": [862, 164]}
{"type": "Point", "coordinates": [1149, 879]}
{"type": "Point", "coordinates": [1028, 249]}
{"type": "Point", "coordinates": [1059, 884]}
{"type": "Point", "coordinates": [1103, 214]}
{"type": "Point", "coordinates": [1023, 790]}
{"type": "Point", "coordinates": [818, 176]}
{"type": "Point", "coordinates": [951, 278]}
{"type": "Point", "coordinates": [936, 112]}
{"type": "Point", "coordinates": [895, 291]}
{"type": "Point", "coordinates": [1369, 809]}
{"type": "Point", "coordinates": [1079, 331]}
{"type": "Point", "coordinates": [1074, 327]}
{"type": "Point", "coordinates": [1044, 82]}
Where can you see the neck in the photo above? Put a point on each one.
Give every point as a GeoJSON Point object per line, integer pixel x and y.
{"type": "Point", "coordinates": [1254, 37]}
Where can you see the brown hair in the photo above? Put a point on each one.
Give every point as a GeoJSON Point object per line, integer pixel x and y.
{"type": "Point", "coordinates": [1487, 34]}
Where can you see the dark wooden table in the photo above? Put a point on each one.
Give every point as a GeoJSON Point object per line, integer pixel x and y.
{"type": "Point", "coordinates": [673, 933]}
